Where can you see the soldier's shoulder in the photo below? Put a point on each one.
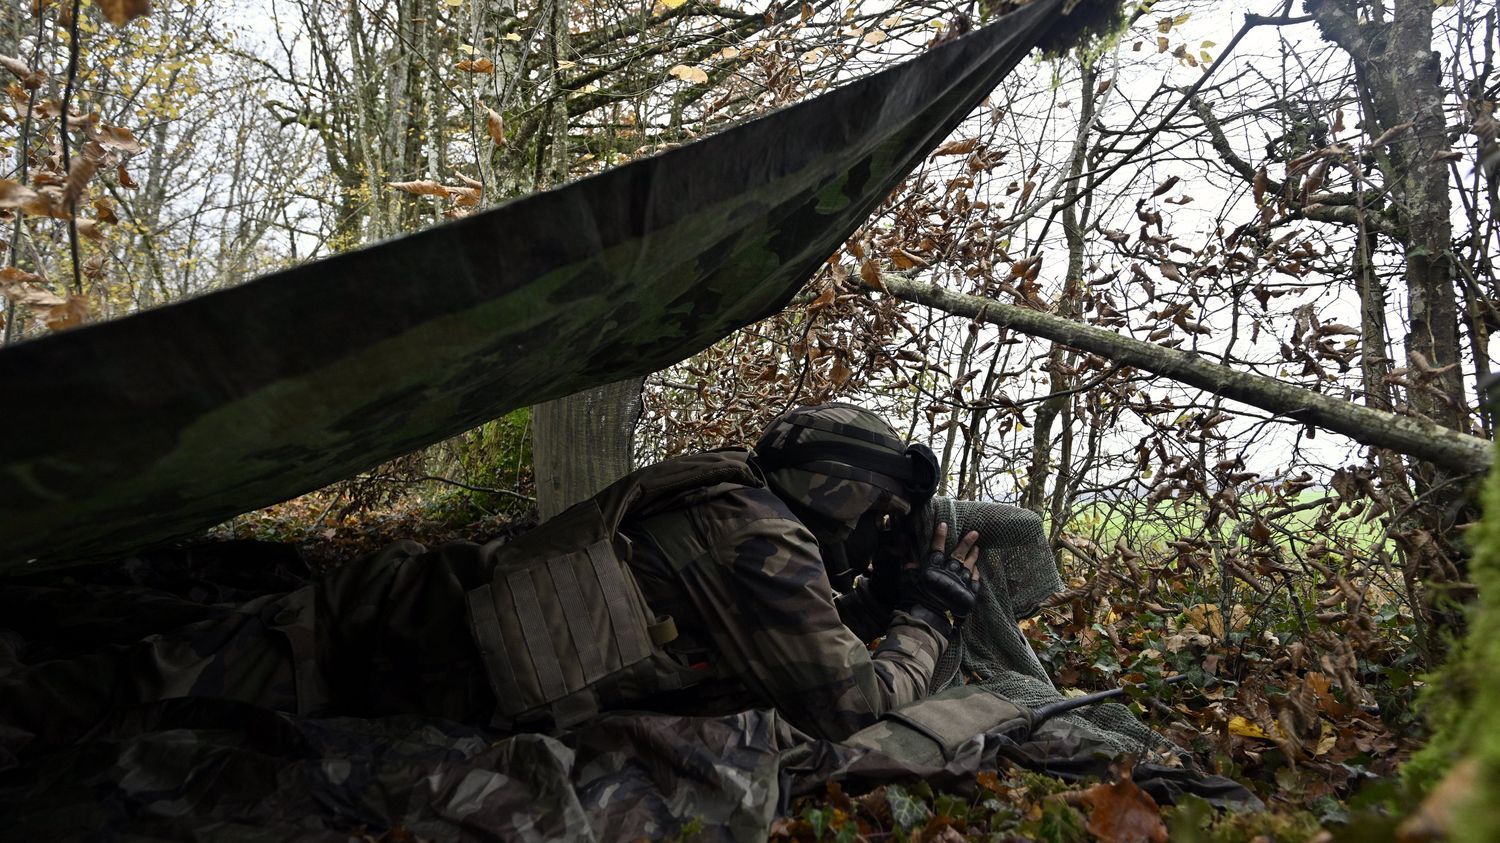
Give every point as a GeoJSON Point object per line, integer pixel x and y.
{"type": "Point", "coordinates": [733, 513]}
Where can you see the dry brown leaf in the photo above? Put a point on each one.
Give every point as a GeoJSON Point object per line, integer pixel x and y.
{"type": "Point", "coordinates": [902, 259]}
{"type": "Point", "coordinates": [47, 202]}
{"type": "Point", "coordinates": [13, 194]}
{"type": "Point", "coordinates": [123, 177]}
{"type": "Point", "coordinates": [495, 125]}
{"type": "Point", "coordinates": [476, 66]}
{"type": "Point", "coordinates": [11, 275]}
{"type": "Point", "coordinates": [121, 12]}
{"type": "Point", "coordinates": [30, 79]}
{"type": "Point", "coordinates": [117, 138]}
{"type": "Point", "coordinates": [1123, 813]}
{"type": "Point", "coordinates": [83, 170]}
{"type": "Point", "coordinates": [69, 314]}
{"type": "Point", "coordinates": [464, 197]}
{"type": "Point", "coordinates": [90, 228]}
{"type": "Point", "coordinates": [420, 188]}
{"type": "Point", "coordinates": [105, 211]}
{"type": "Point", "coordinates": [958, 147]}
{"type": "Point", "coordinates": [840, 374]}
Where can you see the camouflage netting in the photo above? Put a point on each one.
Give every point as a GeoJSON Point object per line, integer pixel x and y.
{"type": "Point", "coordinates": [1018, 572]}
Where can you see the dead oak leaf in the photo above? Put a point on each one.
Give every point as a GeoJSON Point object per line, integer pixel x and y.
{"type": "Point", "coordinates": [30, 79]}
{"type": "Point", "coordinates": [420, 188]}
{"type": "Point", "coordinates": [1123, 813]}
{"type": "Point", "coordinates": [69, 314]}
{"type": "Point", "coordinates": [495, 125]}
{"type": "Point", "coordinates": [116, 138]}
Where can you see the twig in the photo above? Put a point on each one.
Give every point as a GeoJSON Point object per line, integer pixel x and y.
{"type": "Point", "coordinates": [24, 169]}
{"type": "Point", "coordinates": [66, 155]}
{"type": "Point", "coordinates": [451, 482]}
{"type": "Point", "coordinates": [1251, 21]}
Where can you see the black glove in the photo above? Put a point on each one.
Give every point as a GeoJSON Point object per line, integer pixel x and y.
{"type": "Point", "coordinates": [938, 587]}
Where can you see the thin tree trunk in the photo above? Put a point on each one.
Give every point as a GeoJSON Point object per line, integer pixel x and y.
{"type": "Point", "coordinates": [1058, 358]}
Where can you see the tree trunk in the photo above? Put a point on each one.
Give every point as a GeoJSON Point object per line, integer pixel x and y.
{"type": "Point", "coordinates": [1399, 81]}
{"type": "Point", "coordinates": [1058, 383]}
{"type": "Point", "coordinates": [582, 443]}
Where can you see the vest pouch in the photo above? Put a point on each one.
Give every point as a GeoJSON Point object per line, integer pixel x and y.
{"type": "Point", "coordinates": [561, 617]}
{"type": "Point", "coordinates": [928, 732]}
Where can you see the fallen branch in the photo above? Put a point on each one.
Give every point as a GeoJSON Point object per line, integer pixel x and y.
{"type": "Point", "coordinates": [1414, 437]}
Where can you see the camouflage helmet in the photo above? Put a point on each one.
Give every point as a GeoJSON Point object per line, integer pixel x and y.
{"type": "Point", "coordinates": [840, 462]}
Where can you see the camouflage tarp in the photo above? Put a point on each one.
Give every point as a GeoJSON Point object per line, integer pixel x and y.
{"type": "Point", "coordinates": [152, 426]}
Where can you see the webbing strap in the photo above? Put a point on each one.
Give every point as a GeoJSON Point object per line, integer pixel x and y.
{"type": "Point", "coordinates": [629, 638]}
{"type": "Point", "coordinates": [485, 623]}
{"type": "Point", "coordinates": [534, 628]}
{"type": "Point", "coordinates": [849, 430]}
{"type": "Point", "coordinates": [580, 621]}
{"type": "Point", "coordinates": [574, 708]}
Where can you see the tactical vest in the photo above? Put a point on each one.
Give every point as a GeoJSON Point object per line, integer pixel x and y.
{"type": "Point", "coordinates": [562, 624]}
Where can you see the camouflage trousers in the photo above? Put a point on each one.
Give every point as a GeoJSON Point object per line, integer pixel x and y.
{"type": "Point", "coordinates": [385, 635]}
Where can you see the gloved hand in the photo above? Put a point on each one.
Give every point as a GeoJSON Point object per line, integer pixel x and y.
{"type": "Point", "coordinates": [944, 584]}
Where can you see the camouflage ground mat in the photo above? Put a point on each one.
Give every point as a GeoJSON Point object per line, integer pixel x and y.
{"type": "Point", "coordinates": [169, 421]}
{"type": "Point", "coordinates": [214, 770]}
{"type": "Point", "coordinates": [198, 768]}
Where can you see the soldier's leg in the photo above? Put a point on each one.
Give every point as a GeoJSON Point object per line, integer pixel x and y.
{"type": "Point", "coordinates": [387, 634]}
{"type": "Point", "coordinates": [262, 652]}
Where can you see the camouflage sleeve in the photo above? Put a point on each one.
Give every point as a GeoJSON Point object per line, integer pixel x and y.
{"type": "Point", "coordinates": [794, 650]}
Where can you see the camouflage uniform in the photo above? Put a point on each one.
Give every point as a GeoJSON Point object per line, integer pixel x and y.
{"type": "Point", "coordinates": [738, 572]}
{"type": "Point", "coordinates": [743, 579]}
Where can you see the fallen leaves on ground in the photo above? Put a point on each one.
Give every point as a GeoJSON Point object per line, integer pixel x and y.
{"type": "Point", "coordinates": [1120, 812]}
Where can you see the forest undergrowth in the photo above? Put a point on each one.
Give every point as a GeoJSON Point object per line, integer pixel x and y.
{"type": "Point", "coordinates": [1304, 688]}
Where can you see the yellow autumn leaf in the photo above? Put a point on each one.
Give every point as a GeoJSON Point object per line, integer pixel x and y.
{"type": "Point", "coordinates": [873, 37]}
{"type": "Point", "coordinates": [454, 3]}
{"type": "Point", "coordinates": [511, 36]}
{"type": "Point", "coordinates": [1244, 728]}
{"type": "Point", "coordinates": [673, 4]}
{"type": "Point", "coordinates": [1328, 737]}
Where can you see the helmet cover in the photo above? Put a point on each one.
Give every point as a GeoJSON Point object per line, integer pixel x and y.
{"type": "Point", "coordinates": [841, 462]}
